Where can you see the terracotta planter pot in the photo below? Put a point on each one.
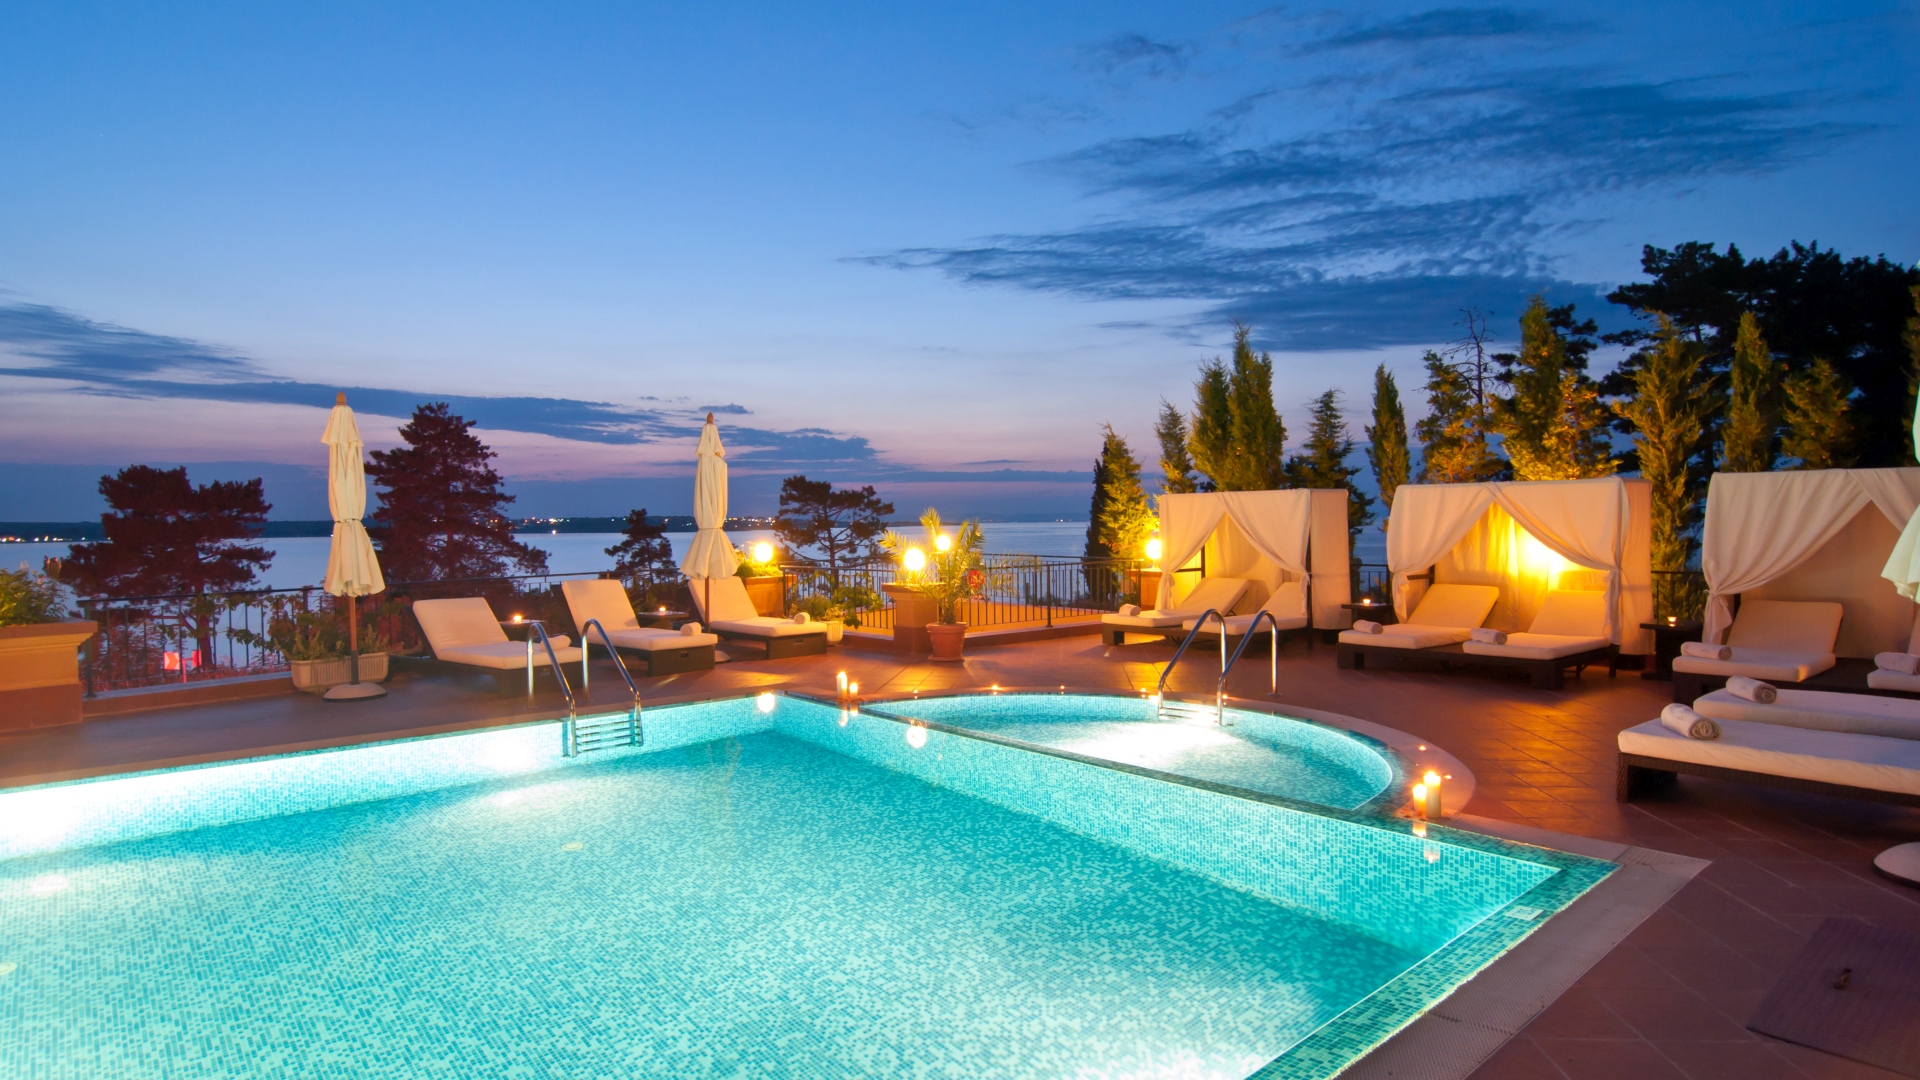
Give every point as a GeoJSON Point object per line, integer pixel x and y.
{"type": "Point", "coordinates": [835, 628]}
{"type": "Point", "coordinates": [767, 595]}
{"type": "Point", "coordinates": [40, 673]}
{"type": "Point", "coordinates": [912, 611]}
{"type": "Point", "coordinates": [949, 640]}
{"type": "Point", "coordinates": [317, 676]}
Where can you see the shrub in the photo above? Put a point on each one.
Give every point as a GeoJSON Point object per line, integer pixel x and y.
{"type": "Point", "coordinates": [27, 597]}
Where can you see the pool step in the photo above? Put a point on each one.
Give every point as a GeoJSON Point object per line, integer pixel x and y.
{"type": "Point", "coordinates": [1174, 710]}
{"type": "Point", "coordinates": [600, 732]}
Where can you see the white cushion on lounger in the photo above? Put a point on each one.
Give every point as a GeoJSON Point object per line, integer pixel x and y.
{"type": "Point", "coordinates": [1759, 664]}
{"type": "Point", "coordinates": [1214, 593]}
{"type": "Point", "coordinates": [464, 631]}
{"type": "Point", "coordinates": [1446, 616]}
{"type": "Point", "coordinates": [1893, 680]}
{"type": "Point", "coordinates": [606, 600]}
{"type": "Point", "coordinates": [1536, 646]}
{"type": "Point", "coordinates": [1802, 627]}
{"type": "Point", "coordinates": [508, 655]}
{"type": "Point", "coordinates": [1820, 710]}
{"type": "Point", "coordinates": [1570, 621]}
{"type": "Point", "coordinates": [766, 626]}
{"type": "Point", "coordinates": [1288, 603]}
{"type": "Point", "coordinates": [1408, 636]}
{"type": "Point", "coordinates": [1832, 757]}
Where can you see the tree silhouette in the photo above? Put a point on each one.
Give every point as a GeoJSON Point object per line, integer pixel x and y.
{"type": "Point", "coordinates": [442, 513]}
{"type": "Point", "coordinates": [843, 524]}
{"type": "Point", "coordinates": [165, 536]}
{"type": "Point", "coordinates": [643, 560]}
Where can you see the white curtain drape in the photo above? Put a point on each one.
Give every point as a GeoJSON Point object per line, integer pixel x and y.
{"type": "Point", "coordinates": [1585, 522]}
{"type": "Point", "coordinates": [1275, 522]}
{"type": "Point", "coordinates": [1761, 525]}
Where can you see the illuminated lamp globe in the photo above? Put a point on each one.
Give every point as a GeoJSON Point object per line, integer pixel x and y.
{"type": "Point", "coordinates": [763, 552]}
{"type": "Point", "coordinates": [914, 560]}
{"type": "Point", "coordinates": [1154, 549]}
{"type": "Point", "coordinates": [943, 543]}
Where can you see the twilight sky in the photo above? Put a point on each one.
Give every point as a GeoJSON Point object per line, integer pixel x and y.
{"type": "Point", "coordinates": [928, 249]}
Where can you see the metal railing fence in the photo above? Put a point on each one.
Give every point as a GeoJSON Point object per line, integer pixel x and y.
{"type": "Point", "coordinates": [1013, 589]}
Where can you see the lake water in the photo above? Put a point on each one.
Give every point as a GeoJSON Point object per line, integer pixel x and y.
{"type": "Point", "coordinates": [303, 560]}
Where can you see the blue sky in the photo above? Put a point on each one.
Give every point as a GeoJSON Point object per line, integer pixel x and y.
{"type": "Point", "coordinates": [931, 250]}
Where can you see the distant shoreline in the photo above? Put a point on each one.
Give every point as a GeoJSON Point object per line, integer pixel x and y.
{"type": "Point", "coordinates": [67, 532]}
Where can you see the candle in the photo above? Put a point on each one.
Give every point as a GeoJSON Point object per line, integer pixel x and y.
{"type": "Point", "coordinates": [840, 680]}
{"type": "Point", "coordinates": [1420, 798]}
{"type": "Point", "coordinates": [1431, 800]}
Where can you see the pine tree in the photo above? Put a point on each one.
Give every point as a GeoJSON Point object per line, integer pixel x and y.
{"type": "Point", "coordinates": [1819, 430]}
{"type": "Point", "coordinates": [1175, 460]}
{"type": "Point", "coordinates": [1753, 406]}
{"type": "Point", "coordinates": [1387, 439]}
{"type": "Point", "coordinates": [1668, 412]}
{"type": "Point", "coordinates": [1322, 462]}
{"type": "Point", "coordinates": [842, 524]}
{"type": "Point", "coordinates": [442, 513]}
{"type": "Point", "coordinates": [1912, 337]}
{"type": "Point", "coordinates": [1211, 438]}
{"type": "Point", "coordinates": [1552, 423]}
{"type": "Point", "coordinates": [165, 536]}
{"type": "Point", "coordinates": [643, 560]}
{"type": "Point", "coordinates": [1453, 438]}
{"type": "Point", "coordinates": [1119, 520]}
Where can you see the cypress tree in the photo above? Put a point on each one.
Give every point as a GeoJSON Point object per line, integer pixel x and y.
{"type": "Point", "coordinates": [1175, 461]}
{"type": "Point", "coordinates": [1553, 425]}
{"type": "Point", "coordinates": [1387, 438]}
{"type": "Point", "coordinates": [1257, 455]}
{"type": "Point", "coordinates": [1668, 411]}
{"type": "Point", "coordinates": [1119, 520]}
{"type": "Point", "coordinates": [1819, 431]}
{"type": "Point", "coordinates": [1912, 338]}
{"type": "Point", "coordinates": [1211, 440]}
{"type": "Point", "coordinates": [1322, 462]}
{"type": "Point", "coordinates": [1753, 406]}
{"type": "Point", "coordinates": [1453, 438]}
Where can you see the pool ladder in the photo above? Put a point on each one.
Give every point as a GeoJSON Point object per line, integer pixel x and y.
{"type": "Point", "coordinates": [597, 732]}
{"type": "Point", "coordinates": [1176, 710]}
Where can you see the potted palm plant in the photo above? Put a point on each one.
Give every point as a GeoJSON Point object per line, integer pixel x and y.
{"type": "Point", "coordinates": [946, 571]}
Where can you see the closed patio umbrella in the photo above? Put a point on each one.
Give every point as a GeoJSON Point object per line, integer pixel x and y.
{"type": "Point", "coordinates": [352, 568]}
{"type": "Point", "coordinates": [711, 553]}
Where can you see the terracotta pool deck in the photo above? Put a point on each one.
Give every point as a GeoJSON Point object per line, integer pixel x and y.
{"type": "Point", "coordinates": [1671, 1001]}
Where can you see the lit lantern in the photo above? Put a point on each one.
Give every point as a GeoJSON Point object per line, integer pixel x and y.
{"type": "Point", "coordinates": [763, 553]}
{"type": "Point", "coordinates": [1154, 548]}
{"type": "Point", "coordinates": [914, 560]}
{"type": "Point", "coordinates": [943, 543]}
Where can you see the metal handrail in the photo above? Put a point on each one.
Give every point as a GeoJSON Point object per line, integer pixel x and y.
{"type": "Point", "coordinates": [560, 676]}
{"type": "Point", "coordinates": [1161, 689]}
{"type": "Point", "coordinates": [621, 665]}
{"type": "Point", "coordinates": [1273, 659]}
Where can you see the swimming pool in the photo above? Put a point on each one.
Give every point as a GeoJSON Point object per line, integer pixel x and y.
{"type": "Point", "coordinates": [768, 887]}
{"type": "Point", "coordinates": [1257, 751]}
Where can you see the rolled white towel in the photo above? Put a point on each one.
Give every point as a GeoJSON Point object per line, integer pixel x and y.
{"type": "Point", "coordinates": [1487, 635]}
{"type": "Point", "coordinates": [1702, 651]}
{"type": "Point", "coordinates": [1683, 720]}
{"type": "Point", "coordinates": [1902, 662]}
{"type": "Point", "coordinates": [1367, 626]}
{"type": "Point", "coordinates": [802, 618]}
{"type": "Point", "coordinates": [1752, 689]}
{"type": "Point", "coordinates": [689, 629]}
{"type": "Point", "coordinates": [1129, 609]}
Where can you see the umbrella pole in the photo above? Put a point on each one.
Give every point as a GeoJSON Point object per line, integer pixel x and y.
{"type": "Point", "coordinates": [353, 637]}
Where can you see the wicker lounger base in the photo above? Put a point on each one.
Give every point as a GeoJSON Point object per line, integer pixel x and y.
{"type": "Point", "coordinates": [506, 681]}
{"type": "Point", "coordinates": [1638, 774]}
{"type": "Point", "coordinates": [1847, 676]}
{"type": "Point", "coordinates": [1173, 636]}
{"type": "Point", "coordinates": [781, 648]}
{"type": "Point", "coordinates": [1546, 674]}
{"type": "Point", "coordinates": [1117, 635]}
{"type": "Point", "coordinates": [658, 662]}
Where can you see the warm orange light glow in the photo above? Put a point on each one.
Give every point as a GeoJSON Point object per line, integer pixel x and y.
{"type": "Point", "coordinates": [1432, 779]}
{"type": "Point", "coordinates": [763, 553]}
{"type": "Point", "coordinates": [914, 560]}
{"type": "Point", "coordinates": [1155, 549]}
{"type": "Point", "coordinates": [518, 617]}
{"type": "Point", "coordinates": [943, 543]}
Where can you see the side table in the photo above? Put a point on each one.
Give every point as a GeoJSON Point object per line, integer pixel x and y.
{"type": "Point", "coordinates": [1668, 636]}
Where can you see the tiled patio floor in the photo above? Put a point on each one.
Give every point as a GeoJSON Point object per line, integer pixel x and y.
{"type": "Point", "coordinates": [1671, 1001]}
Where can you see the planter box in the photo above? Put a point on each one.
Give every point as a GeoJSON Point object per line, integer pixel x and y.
{"type": "Point", "coordinates": [40, 673]}
{"type": "Point", "coordinates": [912, 611]}
{"type": "Point", "coordinates": [768, 595]}
{"type": "Point", "coordinates": [317, 676]}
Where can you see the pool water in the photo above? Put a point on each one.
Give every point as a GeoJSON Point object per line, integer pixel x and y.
{"type": "Point", "coordinates": [1254, 750]}
{"type": "Point", "coordinates": [770, 888]}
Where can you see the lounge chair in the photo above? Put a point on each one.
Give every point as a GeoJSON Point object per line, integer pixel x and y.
{"type": "Point", "coordinates": [1779, 641]}
{"type": "Point", "coordinates": [1897, 682]}
{"type": "Point", "coordinates": [1569, 631]}
{"type": "Point", "coordinates": [1851, 765]}
{"type": "Point", "coordinates": [466, 632]}
{"type": "Point", "coordinates": [667, 652]}
{"type": "Point", "coordinates": [1819, 710]}
{"type": "Point", "coordinates": [1287, 603]}
{"type": "Point", "coordinates": [1212, 594]}
{"type": "Point", "coordinates": [1447, 615]}
{"type": "Point", "coordinates": [728, 612]}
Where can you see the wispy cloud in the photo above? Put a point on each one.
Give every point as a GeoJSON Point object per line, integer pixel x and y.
{"type": "Point", "coordinates": [1137, 55]}
{"type": "Point", "coordinates": [1425, 156]}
